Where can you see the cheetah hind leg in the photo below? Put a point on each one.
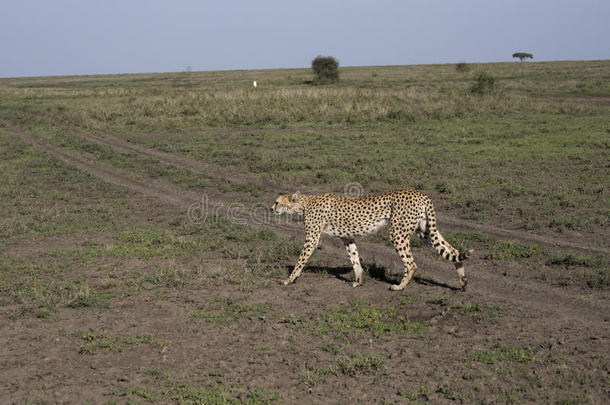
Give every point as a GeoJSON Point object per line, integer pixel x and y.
{"type": "Point", "coordinates": [352, 251]}
{"type": "Point", "coordinates": [404, 251]}
{"type": "Point", "coordinates": [459, 266]}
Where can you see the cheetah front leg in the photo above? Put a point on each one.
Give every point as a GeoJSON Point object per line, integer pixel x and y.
{"type": "Point", "coordinates": [311, 242]}
{"type": "Point", "coordinates": [352, 251]}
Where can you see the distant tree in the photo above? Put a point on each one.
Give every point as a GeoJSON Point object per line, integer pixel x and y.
{"type": "Point", "coordinates": [326, 69]}
{"type": "Point", "coordinates": [523, 55]}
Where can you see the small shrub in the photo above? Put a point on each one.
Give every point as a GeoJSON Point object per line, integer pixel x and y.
{"type": "Point", "coordinates": [566, 223]}
{"type": "Point", "coordinates": [444, 188]}
{"type": "Point", "coordinates": [326, 69]}
{"type": "Point", "coordinates": [484, 83]}
{"type": "Point", "coordinates": [462, 67]}
{"type": "Point", "coordinates": [601, 280]}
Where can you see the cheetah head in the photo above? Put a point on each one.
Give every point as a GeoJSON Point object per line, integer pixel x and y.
{"type": "Point", "coordinates": [289, 203]}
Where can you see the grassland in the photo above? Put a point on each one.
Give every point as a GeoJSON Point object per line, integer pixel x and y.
{"type": "Point", "coordinates": [106, 285]}
{"type": "Point", "coordinates": [529, 153]}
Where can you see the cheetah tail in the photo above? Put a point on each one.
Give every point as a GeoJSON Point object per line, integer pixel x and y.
{"type": "Point", "coordinates": [442, 247]}
{"type": "Point", "coordinates": [465, 254]}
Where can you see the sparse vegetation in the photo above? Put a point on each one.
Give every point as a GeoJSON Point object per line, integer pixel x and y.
{"type": "Point", "coordinates": [364, 364]}
{"type": "Point", "coordinates": [227, 312]}
{"type": "Point", "coordinates": [176, 391]}
{"type": "Point", "coordinates": [362, 318]}
{"type": "Point", "coordinates": [504, 353]}
{"type": "Point", "coordinates": [462, 67]}
{"type": "Point", "coordinates": [97, 340]}
{"type": "Point", "coordinates": [484, 83]}
{"type": "Point", "coordinates": [513, 250]}
{"type": "Point", "coordinates": [576, 259]}
{"type": "Point", "coordinates": [480, 312]}
{"type": "Point", "coordinates": [600, 279]}
{"type": "Point", "coordinates": [101, 283]}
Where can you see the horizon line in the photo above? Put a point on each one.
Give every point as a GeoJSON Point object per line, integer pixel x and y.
{"type": "Point", "coordinates": [284, 68]}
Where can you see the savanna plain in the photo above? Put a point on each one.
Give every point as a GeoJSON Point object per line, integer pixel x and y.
{"type": "Point", "coordinates": [140, 263]}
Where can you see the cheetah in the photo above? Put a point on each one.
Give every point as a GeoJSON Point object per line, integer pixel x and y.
{"type": "Point", "coordinates": [404, 211]}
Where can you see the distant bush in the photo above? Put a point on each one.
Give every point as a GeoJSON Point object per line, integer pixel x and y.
{"type": "Point", "coordinates": [484, 83]}
{"type": "Point", "coordinates": [462, 67]}
{"type": "Point", "coordinates": [326, 69]}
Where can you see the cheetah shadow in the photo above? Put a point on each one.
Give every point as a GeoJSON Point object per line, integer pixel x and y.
{"type": "Point", "coordinates": [373, 271]}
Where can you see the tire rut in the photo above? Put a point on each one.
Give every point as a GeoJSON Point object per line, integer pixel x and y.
{"type": "Point", "coordinates": [172, 159]}
{"type": "Point", "coordinates": [182, 199]}
{"type": "Point", "coordinates": [518, 292]}
{"type": "Point", "coordinates": [220, 172]}
{"type": "Point", "coordinates": [106, 174]}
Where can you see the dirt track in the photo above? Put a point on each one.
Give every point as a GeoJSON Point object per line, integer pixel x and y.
{"type": "Point", "coordinates": [554, 300]}
{"type": "Point", "coordinates": [274, 187]}
{"type": "Point", "coordinates": [584, 317]}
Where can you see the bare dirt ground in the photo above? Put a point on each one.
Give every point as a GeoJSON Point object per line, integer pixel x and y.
{"type": "Point", "coordinates": [524, 341]}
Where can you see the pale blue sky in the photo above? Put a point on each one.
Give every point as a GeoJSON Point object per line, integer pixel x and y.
{"type": "Point", "coordinates": [61, 37]}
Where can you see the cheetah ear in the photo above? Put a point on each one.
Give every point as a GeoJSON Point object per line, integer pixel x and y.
{"type": "Point", "coordinates": [294, 197]}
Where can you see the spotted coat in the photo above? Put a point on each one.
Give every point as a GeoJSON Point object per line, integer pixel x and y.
{"type": "Point", "coordinates": [404, 211]}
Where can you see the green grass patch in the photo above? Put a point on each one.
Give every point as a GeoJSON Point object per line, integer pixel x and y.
{"type": "Point", "coordinates": [36, 289]}
{"type": "Point", "coordinates": [148, 242]}
{"type": "Point", "coordinates": [504, 354]}
{"type": "Point", "coordinates": [84, 297]}
{"type": "Point", "coordinates": [600, 280]}
{"type": "Point", "coordinates": [363, 364]}
{"type": "Point", "coordinates": [480, 312]}
{"type": "Point", "coordinates": [467, 240]}
{"type": "Point", "coordinates": [513, 250]}
{"type": "Point", "coordinates": [185, 393]}
{"type": "Point", "coordinates": [576, 259]}
{"type": "Point", "coordinates": [366, 364]}
{"type": "Point", "coordinates": [361, 317]}
{"type": "Point", "coordinates": [225, 311]}
{"type": "Point", "coordinates": [182, 238]}
{"type": "Point", "coordinates": [40, 196]}
{"type": "Point", "coordinates": [182, 392]}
